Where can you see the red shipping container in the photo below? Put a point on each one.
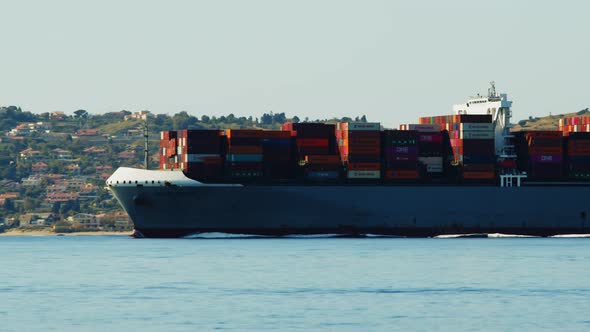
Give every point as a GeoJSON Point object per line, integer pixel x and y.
{"type": "Point", "coordinates": [364, 166]}
{"type": "Point", "coordinates": [479, 175]}
{"type": "Point", "coordinates": [245, 149]}
{"type": "Point", "coordinates": [361, 141]}
{"type": "Point", "coordinates": [544, 134]}
{"type": "Point", "coordinates": [322, 159]}
{"type": "Point", "coordinates": [545, 150]}
{"type": "Point", "coordinates": [430, 138]}
{"type": "Point", "coordinates": [361, 134]}
{"type": "Point", "coordinates": [510, 164]}
{"type": "Point", "coordinates": [361, 150]}
{"type": "Point", "coordinates": [312, 142]}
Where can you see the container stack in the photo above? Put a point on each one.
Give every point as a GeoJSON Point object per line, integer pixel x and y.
{"type": "Point", "coordinates": [430, 147]}
{"type": "Point", "coordinates": [278, 154]}
{"type": "Point", "coordinates": [201, 153]}
{"type": "Point", "coordinates": [360, 149]}
{"type": "Point", "coordinates": [578, 155]}
{"type": "Point", "coordinates": [316, 150]}
{"type": "Point", "coordinates": [540, 153]}
{"type": "Point", "coordinates": [168, 149]}
{"type": "Point", "coordinates": [576, 124]}
{"type": "Point", "coordinates": [400, 154]}
{"type": "Point", "coordinates": [472, 141]}
{"type": "Point", "coordinates": [474, 148]}
{"type": "Point", "coordinates": [245, 157]}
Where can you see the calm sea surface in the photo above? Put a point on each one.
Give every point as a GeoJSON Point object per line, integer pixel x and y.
{"type": "Point", "coordinates": [115, 283]}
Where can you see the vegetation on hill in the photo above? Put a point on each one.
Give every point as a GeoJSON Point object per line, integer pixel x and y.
{"type": "Point", "coordinates": [550, 122]}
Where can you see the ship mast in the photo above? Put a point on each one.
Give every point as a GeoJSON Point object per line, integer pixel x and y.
{"type": "Point", "coordinates": [145, 137]}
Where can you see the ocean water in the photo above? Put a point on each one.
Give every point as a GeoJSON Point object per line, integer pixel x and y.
{"type": "Point", "coordinates": [116, 283]}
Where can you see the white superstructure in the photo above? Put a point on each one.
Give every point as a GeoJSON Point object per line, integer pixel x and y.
{"type": "Point", "coordinates": [498, 106]}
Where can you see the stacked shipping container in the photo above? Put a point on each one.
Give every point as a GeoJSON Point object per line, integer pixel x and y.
{"type": "Point", "coordinates": [472, 141]}
{"type": "Point", "coordinates": [360, 149]}
{"type": "Point", "coordinates": [201, 153]}
{"type": "Point", "coordinates": [578, 155]}
{"type": "Point", "coordinates": [400, 154]}
{"type": "Point", "coordinates": [574, 124]}
{"type": "Point", "coordinates": [316, 149]}
{"type": "Point", "coordinates": [168, 147]}
{"type": "Point", "coordinates": [431, 147]}
{"type": "Point", "coordinates": [256, 153]}
{"type": "Point", "coordinates": [540, 154]}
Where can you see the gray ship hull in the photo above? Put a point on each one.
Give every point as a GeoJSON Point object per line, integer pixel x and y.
{"type": "Point", "coordinates": [174, 211]}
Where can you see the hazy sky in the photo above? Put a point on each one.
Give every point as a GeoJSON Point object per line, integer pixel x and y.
{"type": "Point", "coordinates": [391, 60]}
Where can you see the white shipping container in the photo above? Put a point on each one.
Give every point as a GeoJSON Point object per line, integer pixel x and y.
{"type": "Point", "coordinates": [364, 174]}
{"type": "Point", "coordinates": [161, 135]}
{"type": "Point", "coordinates": [476, 127]}
{"type": "Point", "coordinates": [425, 128]}
{"type": "Point", "coordinates": [476, 135]}
{"type": "Point", "coordinates": [163, 152]}
{"type": "Point", "coordinates": [431, 160]}
{"type": "Point", "coordinates": [360, 126]}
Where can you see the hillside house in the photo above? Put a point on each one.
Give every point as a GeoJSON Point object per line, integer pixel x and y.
{"type": "Point", "coordinates": [141, 115]}
{"type": "Point", "coordinates": [30, 154]}
{"type": "Point", "coordinates": [39, 167]}
{"type": "Point", "coordinates": [61, 154]}
{"type": "Point", "coordinates": [84, 220]}
{"type": "Point", "coordinates": [88, 132]}
{"type": "Point", "coordinates": [32, 181]}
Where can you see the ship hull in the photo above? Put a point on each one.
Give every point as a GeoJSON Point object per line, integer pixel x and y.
{"type": "Point", "coordinates": [414, 211]}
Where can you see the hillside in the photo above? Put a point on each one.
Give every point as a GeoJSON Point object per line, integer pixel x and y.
{"type": "Point", "coordinates": [550, 122]}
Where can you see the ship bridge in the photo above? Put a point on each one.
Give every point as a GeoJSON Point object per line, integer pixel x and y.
{"type": "Point", "coordinates": [499, 107]}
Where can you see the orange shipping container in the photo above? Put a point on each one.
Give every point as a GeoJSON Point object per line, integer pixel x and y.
{"type": "Point", "coordinates": [319, 159]}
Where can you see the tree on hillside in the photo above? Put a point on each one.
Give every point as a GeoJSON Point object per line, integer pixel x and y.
{"type": "Point", "coordinates": [82, 117]}
{"type": "Point", "coordinates": [266, 119]}
{"type": "Point", "coordinates": [10, 116]}
{"type": "Point", "coordinates": [279, 118]}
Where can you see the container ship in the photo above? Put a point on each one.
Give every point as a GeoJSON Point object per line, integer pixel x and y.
{"type": "Point", "coordinates": [464, 173]}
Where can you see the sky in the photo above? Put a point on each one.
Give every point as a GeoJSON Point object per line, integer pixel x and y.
{"type": "Point", "coordinates": [390, 60]}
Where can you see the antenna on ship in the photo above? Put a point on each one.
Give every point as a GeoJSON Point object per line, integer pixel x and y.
{"type": "Point", "coordinates": [145, 137]}
{"type": "Point", "coordinates": [492, 90]}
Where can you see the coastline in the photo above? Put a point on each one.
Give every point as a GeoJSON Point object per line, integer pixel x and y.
{"type": "Point", "coordinates": [50, 232]}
